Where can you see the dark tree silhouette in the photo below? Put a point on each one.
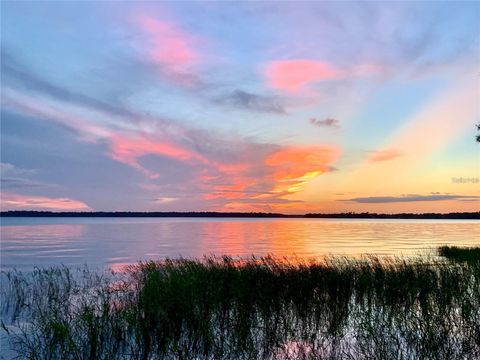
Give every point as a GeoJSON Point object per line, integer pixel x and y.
{"type": "Point", "coordinates": [193, 214]}
{"type": "Point", "coordinates": [478, 135]}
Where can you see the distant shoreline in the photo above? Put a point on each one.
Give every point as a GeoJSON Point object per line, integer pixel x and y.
{"type": "Point", "coordinates": [193, 214]}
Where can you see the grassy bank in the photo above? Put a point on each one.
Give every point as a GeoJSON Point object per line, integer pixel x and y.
{"type": "Point", "coordinates": [260, 308]}
{"type": "Point", "coordinates": [456, 253]}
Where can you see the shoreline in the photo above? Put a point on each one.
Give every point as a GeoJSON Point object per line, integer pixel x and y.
{"type": "Point", "coordinates": [194, 214]}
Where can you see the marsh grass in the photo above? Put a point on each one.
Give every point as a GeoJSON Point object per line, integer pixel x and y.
{"type": "Point", "coordinates": [456, 253]}
{"type": "Point", "coordinates": [256, 308]}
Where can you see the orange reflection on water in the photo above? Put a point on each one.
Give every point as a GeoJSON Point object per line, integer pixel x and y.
{"type": "Point", "coordinates": [116, 243]}
{"type": "Point", "coordinates": [306, 239]}
{"type": "Point", "coordinates": [317, 238]}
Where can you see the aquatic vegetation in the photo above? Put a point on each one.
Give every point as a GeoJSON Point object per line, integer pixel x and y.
{"type": "Point", "coordinates": [256, 308]}
{"type": "Point", "coordinates": [460, 253]}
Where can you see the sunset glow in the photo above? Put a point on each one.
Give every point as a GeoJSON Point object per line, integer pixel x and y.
{"type": "Point", "coordinates": [250, 106]}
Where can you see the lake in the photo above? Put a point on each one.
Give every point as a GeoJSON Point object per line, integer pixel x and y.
{"type": "Point", "coordinates": [115, 242]}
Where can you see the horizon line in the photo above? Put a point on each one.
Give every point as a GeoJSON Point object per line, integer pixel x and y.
{"type": "Point", "coordinates": [213, 214]}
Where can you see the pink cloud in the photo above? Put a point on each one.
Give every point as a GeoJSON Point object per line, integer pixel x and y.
{"type": "Point", "coordinates": [128, 149]}
{"type": "Point", "coordinates": [292, 75]}
{"type": "Point", "coordinates": [126, 145]}
{"type": "Point", "coordinates": [384, 155]}
{"type": "Point", "coordinates": [295, 75]}
{"type": "Point", "coordinates": [259, 182]}
{"type": "Point", "coordinates": [11, 201]}
{"type": "Point", "coordinates": [218, 169]}
{"type": "Point", "coordinates": [168, 45]}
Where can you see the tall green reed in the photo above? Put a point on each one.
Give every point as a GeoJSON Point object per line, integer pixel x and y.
{"type": "Point", "coordinates": [256, 308]}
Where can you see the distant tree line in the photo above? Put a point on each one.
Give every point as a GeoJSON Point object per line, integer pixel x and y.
{"type": "Point", "coordinates": [20, 213]}
{"type": "Point", "coordinates": [367, 215]}
{"type": "Point", "coordinates": [210, 214]}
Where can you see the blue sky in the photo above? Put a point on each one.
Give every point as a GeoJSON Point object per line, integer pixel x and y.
{"type": "Point", "coordinates": [247, 106]}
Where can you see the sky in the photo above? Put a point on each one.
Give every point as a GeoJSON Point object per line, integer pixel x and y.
{"type": "Point", "coordinates": [290, 107]}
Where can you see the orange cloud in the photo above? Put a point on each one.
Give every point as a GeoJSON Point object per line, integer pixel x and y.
{"type": "Point", "coordinates": [266, 182]}
{"type": "Point", "coordinates": [384, 155]}
{"type": "Point", "coordinates": [169, 45]}
{"type": "Point", "coordinates": [11, 201]}
{"type": "Point", "coordinates": [218, 170]}
{"type": "Point", "coordinates": [301, 163]}
{"type": "Point", "coordinates": [233, 182]}
{"type": "Point", "coordinates": [292, 75]}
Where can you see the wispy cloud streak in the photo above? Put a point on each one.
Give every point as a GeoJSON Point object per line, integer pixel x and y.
{"type": "Point", "coordinates": [328, 122]}
{"type": "Point", "coordinates": [411, 198]}
{"type": "Point", "coordinates": [297, 75]}
{"type": "Point", "coordinates": [251, 102]}
{"type": "Point", "coordinates": [222, 169]}
{"type": "Point", "coordinates": [12, 201]}
{"type": "Point", "coordinates": [384, 155]}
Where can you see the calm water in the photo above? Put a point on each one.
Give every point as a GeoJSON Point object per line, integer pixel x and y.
{"type": "Point", "coordinates": [113, 242]}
